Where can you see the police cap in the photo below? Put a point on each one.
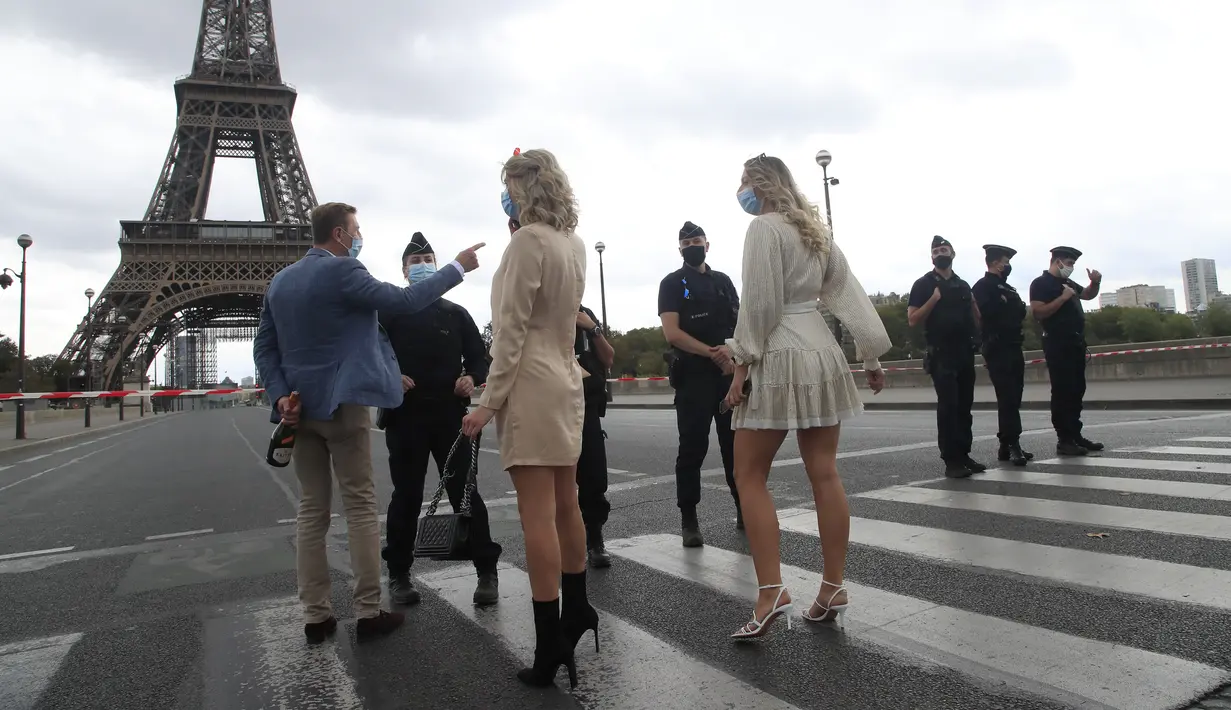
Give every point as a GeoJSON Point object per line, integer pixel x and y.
{"type": "Point", "coordinates": [418, 245]}
{"type": "Point", "coordinates": [690, 230]}
{"type": "Point", "coordinates": [995, 251]}
{"type": "Point", "coordinates": [939, 241]}
{"type": "Point", "coordinates": [1065, 253]}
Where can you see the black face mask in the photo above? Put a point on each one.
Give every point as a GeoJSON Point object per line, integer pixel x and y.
{"type": "Point", "coordinates": [942, 262]}
{"type": "Point", "coordinates": [1004, 274]}
{"type": "Point", "coordinates": [694, 255]}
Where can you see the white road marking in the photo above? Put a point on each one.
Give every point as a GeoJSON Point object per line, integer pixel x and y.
{"type": "Point", "coordinates": [66, 464]}
{"type": "Point", "coordinates": [35, 553]}
{"type": "Point", "coordinates": [27, 667]}
{"type": "Point", "coordinates": [1121, 573]}
{"type": "Point", "coordinates": [1073, 670]}
{"type": "Point", "coordinates": [286, 490]}
{"type": "Point", "coordinates": [634, 670]}
{"type": "Point", "coordinates": [1214, 527]}
{"type": "Point", "coordinates": [1178, 450]}
{"type": "Point", "coordinates": [1150, 486]}
{"type": "Point", "coordinates": [1140, 464]}
{"type": "Point", "coordinates": [186, 533]}
{"type": "Point", "coordinates": [1210, 439]}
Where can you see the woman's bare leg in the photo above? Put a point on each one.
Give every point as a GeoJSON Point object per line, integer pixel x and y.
{"type": "Point", "coordinates": [569, 527]}
{"type": "Point", "coordinates": [819, 449]}
{"type": "Point", "coordinates": [536, 504]}
{"type": "Point", "coordinates": [754, 454]}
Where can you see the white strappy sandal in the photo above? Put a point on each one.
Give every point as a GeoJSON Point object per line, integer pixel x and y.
{"type": "Point", "coordinates": [756, 629]}
{"type": "Point", "coordinates": [828, 608]}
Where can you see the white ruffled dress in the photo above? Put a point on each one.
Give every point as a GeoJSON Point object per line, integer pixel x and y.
{"type": "Point", "coordinates": [800, 377]}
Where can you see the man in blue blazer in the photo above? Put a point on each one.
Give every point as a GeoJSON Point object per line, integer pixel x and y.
{"type": "Point", "coordinates": [319, 337]}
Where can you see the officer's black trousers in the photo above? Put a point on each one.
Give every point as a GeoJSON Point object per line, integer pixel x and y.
{"type": "Point", "coordinates": [953, 376]}
{"type": "Point", "coordinates": [592, 465]}
{"type": "Point", "coordinates": [411, 435]}
{"type": "Point", "coordinates": [1066, 365]}
{"type": "Point", "coordinates": [697, 396]}
{"type": "Point", "coordinates": [1007, 368]}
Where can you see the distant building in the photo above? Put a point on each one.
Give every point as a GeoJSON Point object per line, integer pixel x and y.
{"type": "Point", "coordinates": [880, 299]}
{"type": "Point", "coordinates": [247, 382]}
{"type": "Point", "coordinates": [1200, 282]}
{"type": "Point", "coordinates": [1143, 296]}
{"type": "Point", "coordinates": [1107, 300]}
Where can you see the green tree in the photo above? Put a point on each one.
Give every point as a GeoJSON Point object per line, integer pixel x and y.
{"type": "Point", "coordinates": [1141, 325]}
{"type": "Point", "coordinates": [1177, 326]}
{"type": "Point", "coordinates": [639, 353]}
{"type": "Point", "coordinates": [1216, 321]}
{"type": "Point", "coordinates": [1105, 326]}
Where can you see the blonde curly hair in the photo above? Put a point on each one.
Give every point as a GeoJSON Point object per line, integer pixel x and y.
{"type": "Point", "coordinates": [540, 189]}
{"type": "Point", "coordinates": [777, 189]}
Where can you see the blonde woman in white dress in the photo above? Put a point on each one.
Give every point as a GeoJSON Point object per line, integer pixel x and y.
{"type": "Point", "coordinates": [798, 378]}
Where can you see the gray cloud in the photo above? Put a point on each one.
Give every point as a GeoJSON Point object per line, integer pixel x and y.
{"type": "Point", "coordinates": [1032, 65]}
{"type": "Point", "coordinates": [726, 102]}
{"type": "Point", "coordinates": [408, 58]}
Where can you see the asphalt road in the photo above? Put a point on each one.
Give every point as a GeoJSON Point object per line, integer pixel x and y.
{"type": "Point", "coordinates": [152, 566]}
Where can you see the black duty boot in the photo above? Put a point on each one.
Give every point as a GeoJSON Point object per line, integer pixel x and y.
{"type": "Point", "coordinates": [691, 529]}
{"type": "Point", "coordinates": [956, 469]}
{"type": "Point", "coordinates": [550, 649]}
{"type": "Point", "coordinates": [1089, 445]}
{"type": "Point", "coordinates": [1004, 452]}
{"type": "Point", "coordinates": [596, 552]}
{"type": "Point", "coordinates": [487, 592]}
{"type": "Point", "coordinates": [1070, 448]}
{"type": "Point", "coordinates": [576, 615]}
{"type": "Point", "coordinates": [973, 466]}
{"type": "Point", "coordinates": [401, 591]}
{"type": "Point", "coordinates": [1016, 456]}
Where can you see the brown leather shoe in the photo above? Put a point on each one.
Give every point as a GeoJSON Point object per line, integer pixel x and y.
{"type": "Point", "coordinates": [317, 632]}
{"type": "Point", "coordinates": [382, 624]}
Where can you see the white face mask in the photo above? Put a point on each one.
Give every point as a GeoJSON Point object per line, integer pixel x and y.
{"type": "Point", "coordinates": [1065, 271]}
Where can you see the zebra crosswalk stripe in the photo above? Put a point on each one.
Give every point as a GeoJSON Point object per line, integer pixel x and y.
{"type": "Point", "coordinates": [27, 667]}
{"type": "Point", "coordinates": [635, 668]}
{"type": "Point", "coordinates": [1069, 669]}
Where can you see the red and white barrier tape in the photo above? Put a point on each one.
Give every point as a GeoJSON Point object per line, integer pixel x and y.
{"type": "Point", "coordinates": [119, 394]}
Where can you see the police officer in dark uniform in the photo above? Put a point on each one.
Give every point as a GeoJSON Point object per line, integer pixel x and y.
{"type": "Point", "coordinates": [442, 357]}
{"type": "Point", "coordinates": [1003, 311]}
{"type": "Point", "coordinates": [595, 355]}
{"type": "Point", "coordinates": [1053, 300]}
{"type": "Point", "coordinates": [698, 307]}
{"type": "Point", "coordinates": [944, 303]}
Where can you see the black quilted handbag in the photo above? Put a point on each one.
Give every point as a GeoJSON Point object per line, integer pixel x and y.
{"type": "Point", "coordinates": [447, 536]}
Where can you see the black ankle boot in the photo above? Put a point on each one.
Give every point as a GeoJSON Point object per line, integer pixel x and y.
{"type": "Point", "coordinates": [550, 649]}
{"type": "Point", "coordinates": [576, 615]}
{"type": "Point", "coordinates": [690, 528]}
{"type": "Point", "coordinates": [596, 552]}
{"type": "Point", "coordinates": [1017, 456]}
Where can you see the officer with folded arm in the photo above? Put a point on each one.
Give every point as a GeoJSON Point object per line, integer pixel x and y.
{"type": "Point", "coordinates": [1003, 311]}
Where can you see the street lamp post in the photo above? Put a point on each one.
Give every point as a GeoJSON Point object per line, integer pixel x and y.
{"type": "Point", "coordinates": [89, 346]}
{"type": "Point", "coordinates": [602, 285]}
{"type": "Point", "coordinates": [823, 159]}
{"type": "Point", "coordinates": [24, 241]}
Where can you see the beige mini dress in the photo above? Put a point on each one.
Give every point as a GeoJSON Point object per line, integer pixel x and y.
{"type": "Point", "coordinates": [799, 374]}
{"type": "Point", "coordinates": [534, 384]}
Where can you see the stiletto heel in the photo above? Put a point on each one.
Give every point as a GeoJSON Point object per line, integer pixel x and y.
{"type": "Point", "coordinates": [838, 610]}
{"type": "Point", "coordinates": [596, 639]}
{"type": "Point", "coordinates": [757, 628]}
{"type": "Point", "coordinates": [576, 616]}
{"type": "Point", "coordinates": [551, 649]}
{"type": "Point", "coordinates": [572, 673]}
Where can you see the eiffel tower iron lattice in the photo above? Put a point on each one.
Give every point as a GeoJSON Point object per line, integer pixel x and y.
{"type": "Point", "coordinates": [180, 273]}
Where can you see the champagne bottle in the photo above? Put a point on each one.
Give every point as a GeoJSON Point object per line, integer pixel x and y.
{"type": "Point", "coordinates": [282, 442]}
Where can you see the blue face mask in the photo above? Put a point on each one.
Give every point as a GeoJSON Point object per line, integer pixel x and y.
{"type": "Point", "coordinates": [748, 200]}
{"type": "Point", "coordinates": [356, 245]}
{"type": "Point", "coordinates": [419, 272]}
{"type": "Point", "coordinates": [507, 203]}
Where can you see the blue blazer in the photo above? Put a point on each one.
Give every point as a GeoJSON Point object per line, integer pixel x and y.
{"type": "Point", "coordinates": [319, 334]}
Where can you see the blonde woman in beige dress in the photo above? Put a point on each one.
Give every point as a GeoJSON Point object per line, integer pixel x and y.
{"type": "Point", "coordinates": [534, 393]}
{"type": "Point", "coordinates": [798, 378]}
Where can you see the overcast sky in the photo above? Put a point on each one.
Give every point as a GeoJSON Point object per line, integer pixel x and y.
{"type": "Point", "coordinates": [1100, 125]}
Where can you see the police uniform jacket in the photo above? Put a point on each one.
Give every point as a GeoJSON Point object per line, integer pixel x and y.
{"type": "Point", "coordinates": [434, 347]}
{"type": "Point", "coordinates": [1068, 323]}
{"type": "Point", "coordinates": [708, 305]}
{"type": "Point", "coordinates": [1002, 309]}
{"type": "Point", "coordinates": [951, 324]}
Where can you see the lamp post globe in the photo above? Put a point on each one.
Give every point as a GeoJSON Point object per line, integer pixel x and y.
{"type": "Point", "coordinates": [823, 158]}
{"type": "Point", "coordinates": [24, 241]}
{"type": "Point", "coordinates": [89, 293]}
{"type": "Point", "coordinates": [600, 247]}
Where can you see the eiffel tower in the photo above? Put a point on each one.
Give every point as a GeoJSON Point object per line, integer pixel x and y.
{"type": "Point", "coordinates": [179, 273]}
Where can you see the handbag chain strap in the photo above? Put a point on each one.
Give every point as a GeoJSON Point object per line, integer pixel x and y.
{"type": "Point", "coordinates": [472, 476]}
